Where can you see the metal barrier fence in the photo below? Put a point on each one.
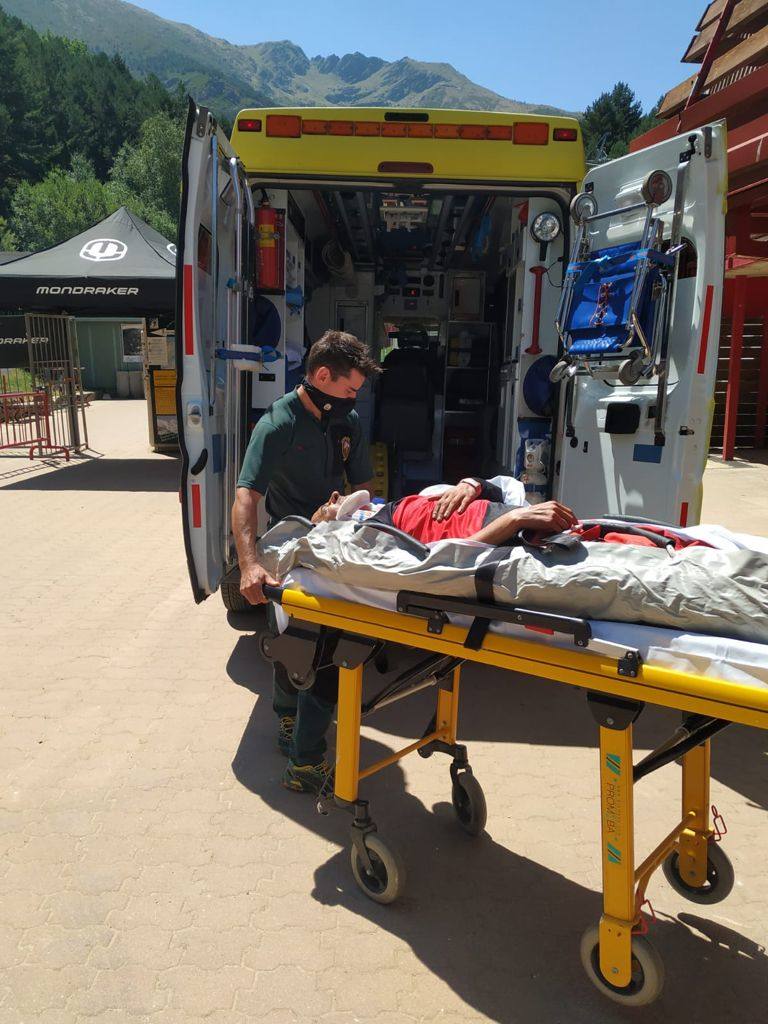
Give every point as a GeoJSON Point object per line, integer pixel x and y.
{"type": "Point", "coordinates": [54, 363]}
{"type": "Point", "coordinates": [25, 422]}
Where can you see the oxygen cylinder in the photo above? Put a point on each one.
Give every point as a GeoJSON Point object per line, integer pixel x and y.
{"type": "Point", "coordinates": [266, 225]}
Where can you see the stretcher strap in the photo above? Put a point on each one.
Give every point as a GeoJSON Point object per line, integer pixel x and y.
{"type": "Point", "coordinates": [484, 577]}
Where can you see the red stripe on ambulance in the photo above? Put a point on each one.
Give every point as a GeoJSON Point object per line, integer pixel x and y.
{"type": "Point", "coordinates": [197, 514]}
{"type": "Point", "coordinates": [189, 320]}
{"type": "Point", "coordinates": [705, 328]}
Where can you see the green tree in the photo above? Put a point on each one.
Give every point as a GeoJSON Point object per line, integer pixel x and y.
{"type": "Point", "coordinates": [61, 205]}
{"type": "Point", "coordinates": [610, 122]}
{"type": "Point", "coordinates": [146, 175]}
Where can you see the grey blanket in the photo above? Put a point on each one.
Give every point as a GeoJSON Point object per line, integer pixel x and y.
{"type": "Point", "coordinates": [702, 590]}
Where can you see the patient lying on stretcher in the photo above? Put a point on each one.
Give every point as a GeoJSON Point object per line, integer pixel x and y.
{"type": "Point", "coordinates": [480, 510]}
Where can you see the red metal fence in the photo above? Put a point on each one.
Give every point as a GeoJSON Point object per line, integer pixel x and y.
{"type": "Point", "coordinates": [25, 422]}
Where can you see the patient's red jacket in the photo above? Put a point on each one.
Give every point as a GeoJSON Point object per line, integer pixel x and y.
{"type": "Point", "coordinates": [413, 515]}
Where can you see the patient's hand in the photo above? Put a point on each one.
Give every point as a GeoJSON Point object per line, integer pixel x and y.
{"type": "Point", "coordinates": [455, 499]}
{"type": "Point", "coordinates": [327, 512]}
{"type": "Point", "coordinates": [549, 516]}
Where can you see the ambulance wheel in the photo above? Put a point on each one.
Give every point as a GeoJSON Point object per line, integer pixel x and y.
{"type": "Point", "coordinates": [630, 371]}
{"type": "Point", "coordinates": [387, 881]}
{"type": "Point", "coordinates": [647, 970]}
{"type": "Point", "coordinates": [234, 601]}
{"type": "Point", "coordinates": [469, 803]}
{"type": "Point", "coordinates": [558, 371]}
{"type": "Point", "coordinates": [720, 876]}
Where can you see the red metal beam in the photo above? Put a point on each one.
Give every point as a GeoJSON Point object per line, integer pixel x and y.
{"type": "Point", "coordinates": [748, 89]}
{"type": "Point", "coordinates": [762, 389]}
{"type": "Point", "coordinates": [711, 54]}
{"type": "Point", "coordinates": [734, 368]}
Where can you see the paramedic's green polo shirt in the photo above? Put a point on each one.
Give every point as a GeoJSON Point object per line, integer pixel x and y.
{"type": "Point", "coordinates": [297, 464]}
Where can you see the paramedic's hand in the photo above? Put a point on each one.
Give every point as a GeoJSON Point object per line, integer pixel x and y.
{"type": "Point", "coordinates": [455, 499]}
{"type": "Point", "coordinates": [252, 580]}
{"type": "Point", "coordinates": [549, 516]}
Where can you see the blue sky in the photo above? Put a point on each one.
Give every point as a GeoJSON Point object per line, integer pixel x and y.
{"type": "Point", "coordinates": [562, 52]}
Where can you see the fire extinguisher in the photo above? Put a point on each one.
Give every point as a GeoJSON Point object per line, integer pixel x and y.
{"type": "Point", "coordinates": [266, 225]}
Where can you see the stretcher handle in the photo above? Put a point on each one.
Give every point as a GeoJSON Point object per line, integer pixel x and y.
{"type": "Point", "coordinates": [273, 593]}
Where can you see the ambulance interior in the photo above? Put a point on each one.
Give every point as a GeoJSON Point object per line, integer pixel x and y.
{"type": "Point", "coordinates": [438, 283]}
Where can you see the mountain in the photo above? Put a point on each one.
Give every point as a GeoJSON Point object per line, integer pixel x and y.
{"type": "Point", "coordinates": [227, 77]}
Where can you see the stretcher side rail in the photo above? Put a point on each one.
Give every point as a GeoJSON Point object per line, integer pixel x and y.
{"type": "Point", "coordinates": [435, 610]}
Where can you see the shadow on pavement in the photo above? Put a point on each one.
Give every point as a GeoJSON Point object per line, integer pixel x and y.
{"type": "Point", "coordinates": [103, 474]}
{"type": "Point", "coordinates": [501, 930]}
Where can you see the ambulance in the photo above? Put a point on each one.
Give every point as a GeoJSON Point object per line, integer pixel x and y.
{"type": "Point", "coordinates": [532, 318]}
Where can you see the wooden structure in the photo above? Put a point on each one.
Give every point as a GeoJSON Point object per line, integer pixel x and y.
{"type": "Point", "coordinates": [731, 47]}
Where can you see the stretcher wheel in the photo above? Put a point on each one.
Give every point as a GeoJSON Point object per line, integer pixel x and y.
{"type": "Point", "coordinates": [558, 371]}
{"type": "Point", "coordinates": [469, 803]}
{"type": "Point", "coordinates": [630, 371]}
{"type": "Point", "coordinates": [720, 876]}
{"type": "Point", "coordinates": [388, 879]}
{"type": "Point", "coordinates": [647, 970]}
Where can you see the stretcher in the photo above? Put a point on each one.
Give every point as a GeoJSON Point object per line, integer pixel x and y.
{"type": "Point", "coordinates": [618, 679]}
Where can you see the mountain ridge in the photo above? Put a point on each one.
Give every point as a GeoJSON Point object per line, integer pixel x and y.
{"type": "Point", "coordinates": [228, 77]}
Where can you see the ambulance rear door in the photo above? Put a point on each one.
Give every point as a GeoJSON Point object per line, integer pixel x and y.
{"type": "Point", "coordinates": [213, 286]}
{"type": "Point", "coordinates": [615, 460]}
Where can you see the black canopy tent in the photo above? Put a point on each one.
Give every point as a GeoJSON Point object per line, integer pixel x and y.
{"type": "Point", "coordinates": [119, 267]}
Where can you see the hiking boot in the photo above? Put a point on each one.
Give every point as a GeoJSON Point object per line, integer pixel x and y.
{"type": "Point", "coordinates": [309, 778]}
{"type": "Point", "coordinates": [285, 732]}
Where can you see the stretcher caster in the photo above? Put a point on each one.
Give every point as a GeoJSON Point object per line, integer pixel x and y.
{"type": "Point", "coordinates": [720, 876]}
{"type": "Point", "coordinates": [558, 371]}
{"type": "Point", "coordinates": [647, 970]}
{"type": "Point", "coordinates": [630, 371]}
{"type": "Point", "coordinates": [469, 803]}
{"type": "Point", "coordinates": [384, 881]}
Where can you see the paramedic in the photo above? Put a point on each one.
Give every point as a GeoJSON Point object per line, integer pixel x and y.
{"type": "Point", "coordinates": [472, 510]}
{"type": "Point", "coordinates": [300, 450]}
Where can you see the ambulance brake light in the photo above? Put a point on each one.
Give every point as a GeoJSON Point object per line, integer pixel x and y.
{"type": "Point", "coordinates": [565, 135]}
{"type": "Point", "coordinates": [249, 124]}
{"type": "Point", "coordinates": [405, 167]}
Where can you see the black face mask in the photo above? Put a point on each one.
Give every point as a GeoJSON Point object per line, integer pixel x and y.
{"type": "Point", "coordinates": [329, 407]}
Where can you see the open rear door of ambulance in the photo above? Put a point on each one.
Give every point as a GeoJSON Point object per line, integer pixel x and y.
{"type": "Point", "coordinates": [636, 449]}
{"type": "Point", "coordinates": [212, 278]}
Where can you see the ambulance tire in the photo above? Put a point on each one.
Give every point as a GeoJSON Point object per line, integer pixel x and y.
{"type": "Point", "coordinates": [229, 588]}
{"type": "Point", "coordinates": [469, 804]}
{"type": "Point", "coordinates": [720, 876]}
{"type": "Point", "coordinates": [388, 879]}
{"type": "Point", "coordinates": [647, 970]}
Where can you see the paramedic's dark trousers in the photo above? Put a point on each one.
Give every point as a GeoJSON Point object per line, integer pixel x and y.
{"type": "Point", "coordinates": [313, 708]}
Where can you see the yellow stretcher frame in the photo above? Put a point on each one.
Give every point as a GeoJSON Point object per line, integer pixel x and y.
{"type": "Point", "coordinates": [615, 955]}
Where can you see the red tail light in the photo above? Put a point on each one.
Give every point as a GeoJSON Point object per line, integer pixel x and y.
{"type": "Point", "coordinates": [286, 126]}
{"type": "Point", "coordinates": [565, 135]}
{"type": "Point", "coordinates": [249, 124]}
{"type": "Point", "coordinates": [535, 134]}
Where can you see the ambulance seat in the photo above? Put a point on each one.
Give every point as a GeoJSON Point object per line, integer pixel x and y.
{"type": "Point", "coordinates": [405, 405]}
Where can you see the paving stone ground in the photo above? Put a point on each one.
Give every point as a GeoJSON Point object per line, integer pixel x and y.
{"type": "Point", "coordinates": [152, 869]}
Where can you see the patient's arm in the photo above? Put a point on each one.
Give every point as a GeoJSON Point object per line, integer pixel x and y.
{"type": "Point", "coordinates": [549, 516]}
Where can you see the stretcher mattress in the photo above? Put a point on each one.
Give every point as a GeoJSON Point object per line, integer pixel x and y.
{"type": "Point", "coordinates": [722, 658]}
